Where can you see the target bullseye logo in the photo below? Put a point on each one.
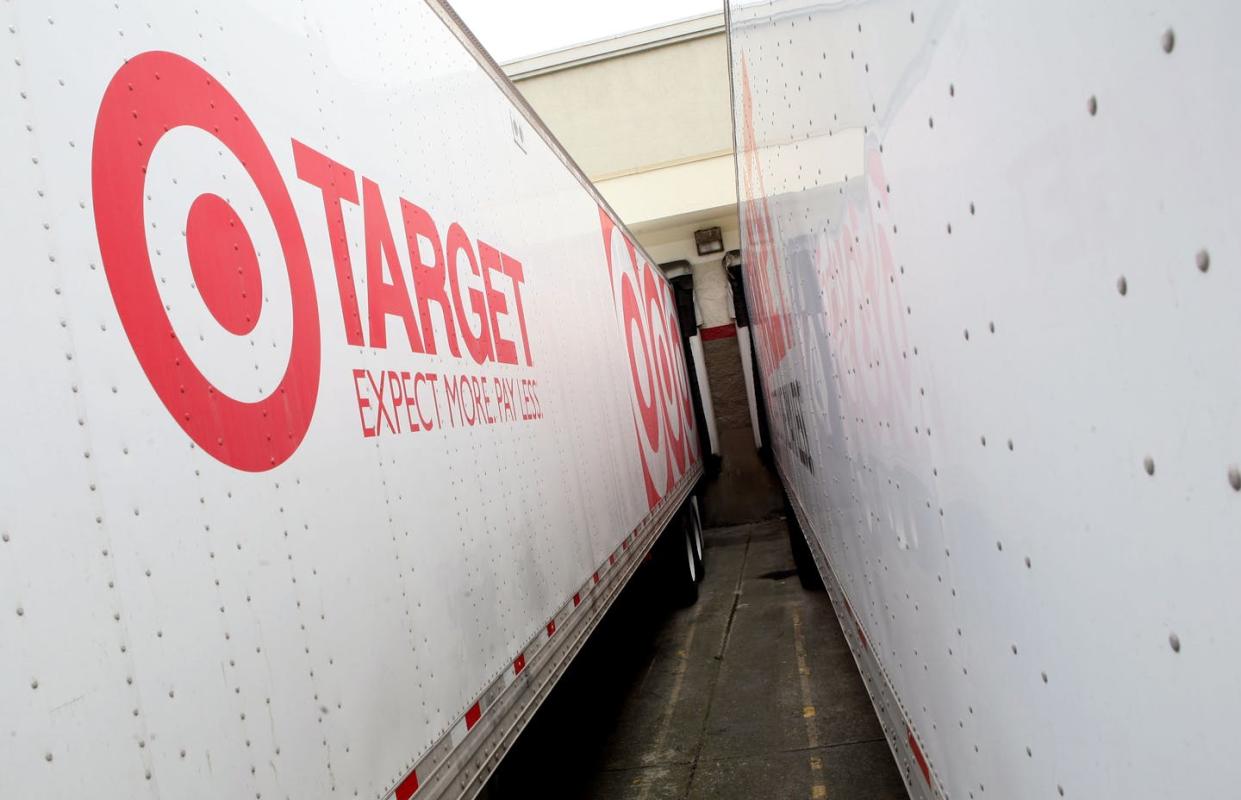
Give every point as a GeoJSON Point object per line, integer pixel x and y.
{"type": "Point", "coordinates": [662, 408]}
{"type": "Point", "coordinates": [152, 94]}
{"type": "Point", "coordinates": [224, 264]}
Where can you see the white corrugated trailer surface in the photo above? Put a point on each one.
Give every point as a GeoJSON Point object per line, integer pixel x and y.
{"type": "Point", "coordinates": [993, 261]}
{"type": "Point", "coordinates": [339, 405]}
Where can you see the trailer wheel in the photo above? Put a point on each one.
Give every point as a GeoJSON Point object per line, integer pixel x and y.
{"type": "Point", "coordinates": [678, 562]}
{"type": "Point", "coordinates": [807, 572]}
{"type": "Point", "coordinates": [687, 583]}
{"type": "Point", "coordinates": [695, 523]}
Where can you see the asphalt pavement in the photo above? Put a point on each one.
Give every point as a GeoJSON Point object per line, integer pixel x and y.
{"type": "Point", "coordinates": [750, 693]}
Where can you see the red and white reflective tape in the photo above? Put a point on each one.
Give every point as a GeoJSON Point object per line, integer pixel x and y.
{"type": "Point", "coordinates": [456, 735]}
{"type": "Point", "coordinates": [918, 757]}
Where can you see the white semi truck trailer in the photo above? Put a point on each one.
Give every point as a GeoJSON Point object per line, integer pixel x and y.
{"type": "Point", "coordinates": [339, 405]}
{"type": "Point", "coordinates": [993, 263]}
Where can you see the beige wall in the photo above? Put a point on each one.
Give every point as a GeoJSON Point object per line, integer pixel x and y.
{"type": "Point", "coordinates": [647, 109]}
{"type": "Point", "coordinates": [647, 117]}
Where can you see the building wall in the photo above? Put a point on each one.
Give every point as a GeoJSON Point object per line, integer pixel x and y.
{"type": "Point", "coordinates": [646, 115]}
{"type": "Point", "coordinates": [661, 106]}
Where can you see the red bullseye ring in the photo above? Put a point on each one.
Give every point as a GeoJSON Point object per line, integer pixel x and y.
{"type": "Point", "coordinates": [150, 95]}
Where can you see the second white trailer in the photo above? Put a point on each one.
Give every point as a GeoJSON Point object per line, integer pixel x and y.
{"type": "Point", "coordinates": [992, 257]}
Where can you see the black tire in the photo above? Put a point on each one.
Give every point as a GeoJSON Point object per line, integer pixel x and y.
{"type": "Point", "coordinates": [807, 572]}
{"type": "Point", "coordinates": [680, 565]}
{"type": "Point", "coordinates": [695, 527]}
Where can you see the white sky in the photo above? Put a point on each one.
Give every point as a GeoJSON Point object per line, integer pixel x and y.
{"type": "Point", "coordinates": [511, 29]}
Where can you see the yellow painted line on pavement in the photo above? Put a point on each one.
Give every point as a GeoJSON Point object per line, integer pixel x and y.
{"type": "Point", "coordinates": [818, 787]}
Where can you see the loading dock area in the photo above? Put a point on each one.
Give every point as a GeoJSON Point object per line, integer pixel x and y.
{"type": "Point", "coordinates": [750, 693]}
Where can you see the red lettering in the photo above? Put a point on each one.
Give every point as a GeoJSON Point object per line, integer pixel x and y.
{"type": "Point", "coordinates": [512, 268]}
{"type": "Point", "coordinates": [510, 397]}
{"type": "Point", "coordinates": [367, 431]}
{"type": "Point", "coordinates": [428, 278]}
{"type": "Point", "coordinates": [504, 398]}
{"type": "Point", "coordinates": [419, 378]}
{"type": "Point", "coordinates": [480, 345]}
{"type": "Point", "coordinates": [410, 399]}
{"type": "Point", "coordinates": [452, 392]}
{"type": "Point", "coordinates": [337, 183]}
{"type": "Point", "coordinates": [472, 407]}
{"type": "Point", "coordinates": [496, 304]}
{"type": "Point", "coordinates": [436, 280]}
{"type": "Point", "coordinates": [480, 412]}
{"type": "Point", "coordinates": [396, 396]}
{"type": "Point", "coordinates": [529, 401]}
{"type": "Point", "coordinates": [378, 389]}
{"type": "Point", "coordinates": [384, 298]}
{"type": "Point", "coordinates": [480, 386]}
{"type": "Point", "coordinates": [431, 379]}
